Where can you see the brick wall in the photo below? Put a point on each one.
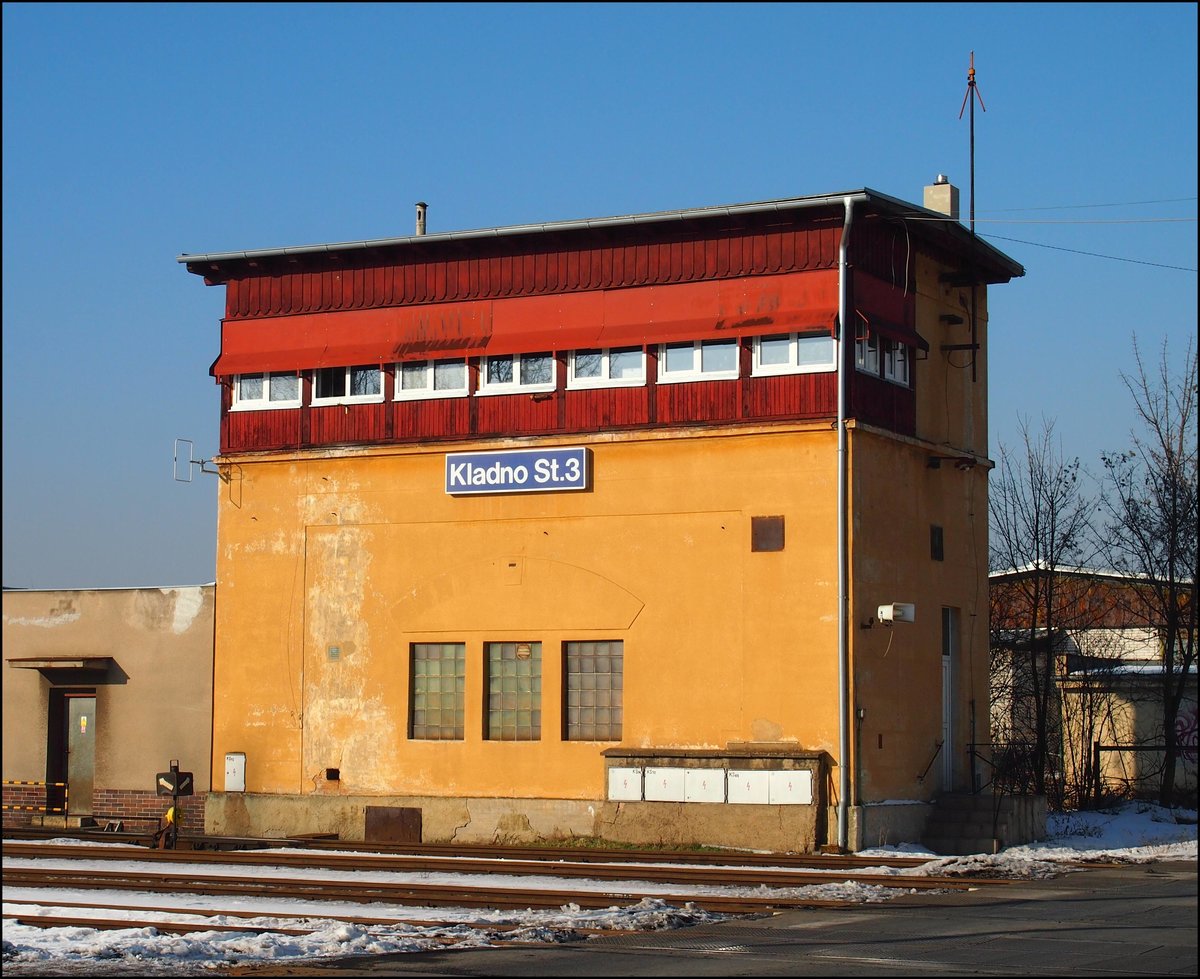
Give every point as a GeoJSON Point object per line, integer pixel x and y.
{"type": "Point", "coordinates": [28, 800]}
{"type": "Point", "coordinates": [139, 810]}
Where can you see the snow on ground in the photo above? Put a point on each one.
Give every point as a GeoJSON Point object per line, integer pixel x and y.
{"type": "Point", "coordinates": [1137, 833]}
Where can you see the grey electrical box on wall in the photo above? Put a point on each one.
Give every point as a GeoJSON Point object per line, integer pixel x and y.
{"type": "Point", "coordinates": [235, 771]}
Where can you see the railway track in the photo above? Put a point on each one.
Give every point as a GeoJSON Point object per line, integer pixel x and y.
{"type": "Point", "coordinates": [504, 879]}
{"type": "Point", "coordinates": [422, 895]}
{"type": "Point", "coordinates": [170, 920]}
{"type": "Point", "coordinates": [729, 874]}
{"type": "Point", "coordinates": [550, 853]}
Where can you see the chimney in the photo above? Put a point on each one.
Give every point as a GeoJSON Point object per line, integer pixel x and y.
{"type": "Point", "coordinates": [942, 196]}
{"type": "Point", "coordinates": [422, 207]}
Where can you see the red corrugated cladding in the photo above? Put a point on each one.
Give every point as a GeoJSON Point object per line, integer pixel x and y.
{"type": "Point", "coordinates": [571, 321]}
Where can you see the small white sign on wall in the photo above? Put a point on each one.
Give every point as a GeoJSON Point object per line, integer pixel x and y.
{"type": "Point", "coordinates": [704, 785]}
{"type": "Point", "coordinates": [749, 788]}
{"type": "Point", "coordinates": [624, 784]}
{"type": "Point", "coordinates": [665, 785]}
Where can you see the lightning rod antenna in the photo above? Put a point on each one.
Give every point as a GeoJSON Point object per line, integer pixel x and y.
{"type": "Point", "coordinates": [971, 96]}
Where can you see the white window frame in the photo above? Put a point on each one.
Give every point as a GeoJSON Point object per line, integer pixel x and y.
{"type": "Point", "coordinates": [893, 358]}
{"type": "Point", "coordinates": [605, 380]}
{"type": "Point", "coordinates": [793, 366]}
{"type": "Point", "coordinates": [487, 388]}
{"type": "Point", "coordinates": [896, 358]}
{"type": "Point", "coordinates": [697, 372]}
{"type": "Point", "coordinates": [430, 391]}
{"type": "Point", "coordinates": [866, 348]}
{"type": "Point", "coordinates": [264, 403]}
{"type": "Point", "coordinates": [349, 399]}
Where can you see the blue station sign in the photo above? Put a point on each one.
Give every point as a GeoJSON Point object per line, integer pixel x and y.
{"type": "Point", "coordinates": [517, 471]}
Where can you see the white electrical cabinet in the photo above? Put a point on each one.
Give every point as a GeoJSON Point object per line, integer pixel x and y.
{"type": "Point", "coordinates": [624, 784]}
{"type": "Point", "coordinates": [749, 788]}
{"type": "Point", "coordinates": [665, 785]}
{"type": "Point", "coordinates": [704, 785]}
{"type": "Point", "coordinates": [235, 771]}
{"type": "Point", "coordinates": [791, 788]}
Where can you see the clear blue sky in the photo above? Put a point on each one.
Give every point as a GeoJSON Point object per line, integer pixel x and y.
{"type": "Point", "coordinates": [136, 132]}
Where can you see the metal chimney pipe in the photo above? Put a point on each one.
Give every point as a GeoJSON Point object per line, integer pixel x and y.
{"type": "Point", "coordinates": [422, 207]}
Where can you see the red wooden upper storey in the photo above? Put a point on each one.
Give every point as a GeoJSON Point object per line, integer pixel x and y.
{"type": "Point", "coordinates": [632, 281]}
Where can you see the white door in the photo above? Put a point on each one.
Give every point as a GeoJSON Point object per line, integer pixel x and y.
{"type": "Point", "coordinates": [949, 658]}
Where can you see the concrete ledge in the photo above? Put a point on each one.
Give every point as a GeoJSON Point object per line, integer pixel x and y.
{"type": "Point", "coordinates": [883, 823]}
{"type": "Point", "coordinates": [517, 821]}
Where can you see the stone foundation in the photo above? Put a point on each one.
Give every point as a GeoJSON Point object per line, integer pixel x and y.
{"type": "Point", "coordinates": [521, 821]}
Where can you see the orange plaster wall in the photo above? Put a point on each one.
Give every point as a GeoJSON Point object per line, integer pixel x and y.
{"type": "Point", "coordinates": [897, 669]}
{"type": "Point", "coordinates": [364, 551]}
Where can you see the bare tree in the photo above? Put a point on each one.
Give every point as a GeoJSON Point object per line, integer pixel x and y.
{"type": "Point", "coordinates": [1151, 508]}
{"type": "Point", "coordinates": [1039, 526]}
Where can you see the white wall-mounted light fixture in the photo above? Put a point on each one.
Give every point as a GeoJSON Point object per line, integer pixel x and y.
{"type": "Point", "coordinates": [896, 612]}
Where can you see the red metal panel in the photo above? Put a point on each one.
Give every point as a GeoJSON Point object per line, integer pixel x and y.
{"type": "Point", "coordinates": [347, 423]}
{"type": "Point", "coordinates": [437, 418]}
{"type": "Point", "coordinates": [623, 317]}
{"type": "Point", "coordinates": [702, 401]}
{"type": "Point", "coordinates": [511, 414]}
{"type": "Point", "coordinates": [371, 336]}
{"type": "Point", "coordinates": [792, 396]}
{"type": "Point", "coordinates": [331, 281]}
{"type": "Point", "coordinates": [255, 430]}
{"type": "Point", "coordinates": [759, 259]}
{"type": "Point", "coordinates": [569, 269]}
{"type": "Point", "coordinates": [890, 406]}
{"type": "Point", "coordinates": [604, 408]}
{"type": "Point", "coordinates": [893, 303]}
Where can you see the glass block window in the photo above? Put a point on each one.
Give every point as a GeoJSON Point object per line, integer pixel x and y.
{"type": "Point", "coordinates": [437, 689]}
{"type": "Point", "coordinates": [593, 674]}
{"type": "Point", "coordinates": [514, 691]}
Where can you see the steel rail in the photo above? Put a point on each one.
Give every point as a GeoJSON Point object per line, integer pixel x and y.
{"type": "Point", "coordinates": [600, 855]}
{"type": "Point", "coordinates": [432, 924]}
{"type": "Point", "coordinates": [549, 853]}
{"type": "Point", "coordinates": [364, 892]}
{"type": "Point", "coordinates": [172, 927]}
{"type": "Point", "coordinates": [179, 928]}
{"type": "Point", "coordinates": [660, 873]}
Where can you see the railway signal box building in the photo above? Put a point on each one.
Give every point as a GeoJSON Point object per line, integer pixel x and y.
{"type": "Point", "coordinates": [660, 528]}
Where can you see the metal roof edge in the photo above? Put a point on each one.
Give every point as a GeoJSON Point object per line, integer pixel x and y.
{"type": "Point", "coordinates": [898, 208]}
{"type": "Point", "coordinates": [627, 220]}
{"type": "Point", "coordinates": [951, 226]}
{"type": "Point", "coordinates": [1079, 572]}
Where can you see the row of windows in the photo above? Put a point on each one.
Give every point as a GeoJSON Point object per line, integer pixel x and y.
{"type": "Point", "coordinates": [699, 360]}
{"type": "Point", "coordinates": [883, 357]}
{"type": "Point", "coordinates": [592, 691]}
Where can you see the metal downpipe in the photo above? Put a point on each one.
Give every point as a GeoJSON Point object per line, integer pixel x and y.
{"type": "Point", "coordinates": [843, 599]}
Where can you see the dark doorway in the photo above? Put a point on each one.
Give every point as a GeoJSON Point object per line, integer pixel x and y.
{"type": "Point", "coordinates": [71, 752]}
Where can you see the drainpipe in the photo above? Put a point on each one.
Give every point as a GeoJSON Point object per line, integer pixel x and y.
{"type": "Point", "coordinates": [843, 598]}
